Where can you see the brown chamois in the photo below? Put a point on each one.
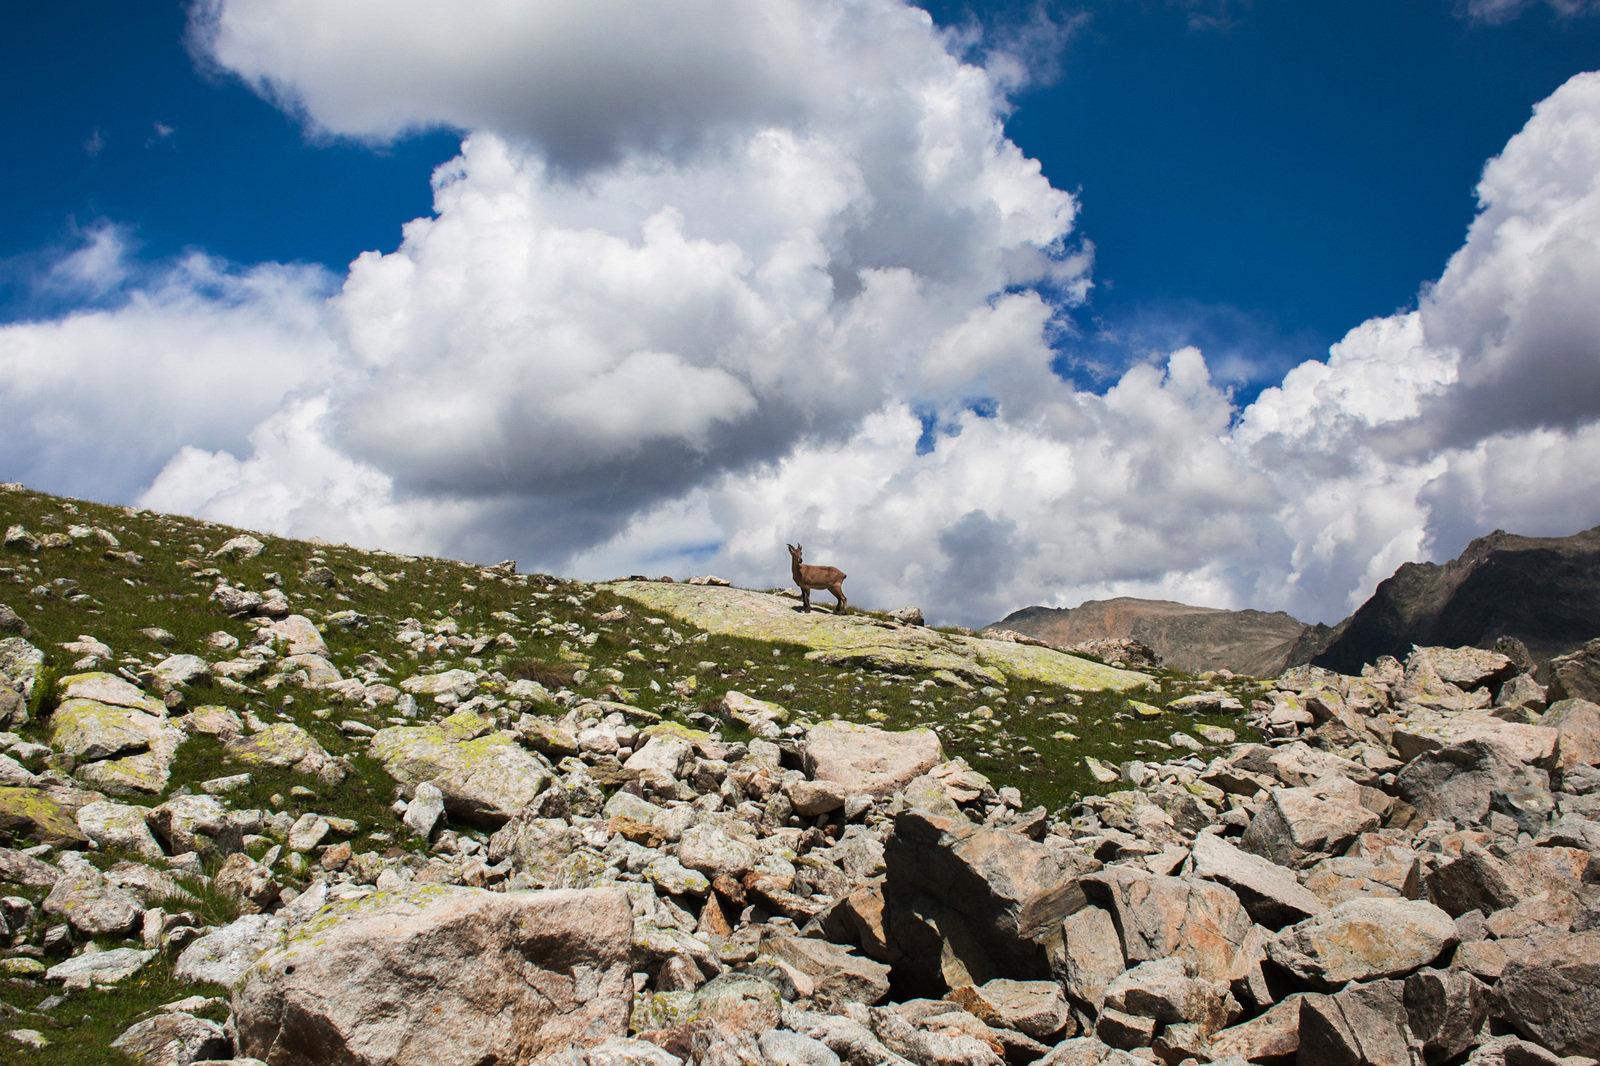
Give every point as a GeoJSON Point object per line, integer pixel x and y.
{"type": "Point", "coordinates": [817, 577]}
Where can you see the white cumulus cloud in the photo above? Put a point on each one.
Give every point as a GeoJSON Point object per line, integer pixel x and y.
{"type": "Point", "coordinates": [684, 297]}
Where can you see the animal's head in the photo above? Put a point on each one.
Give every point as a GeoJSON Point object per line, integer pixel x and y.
{"type": "Point", "coordinates": [794, 551]}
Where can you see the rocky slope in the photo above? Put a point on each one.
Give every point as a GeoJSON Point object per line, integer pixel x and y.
{"type": "Point", "coordinates": [405, 840]}
{"type": "Point", "coordinates": [1192, 639]}
{"type": "Point", "coordinates": [1543, 591]}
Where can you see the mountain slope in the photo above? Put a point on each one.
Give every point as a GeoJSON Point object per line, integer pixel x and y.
{"type": "Point", "coordinates": [1192, 639]}
{"type": "Point", "coordinates": [1545, 591]}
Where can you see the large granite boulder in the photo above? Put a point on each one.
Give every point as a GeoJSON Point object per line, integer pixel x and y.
{"type": "Point", "coordinates": [1013, 892]}
{"type": "Point", "coordinates": [1270, 893]}
{"type": "Point", "coordinates": [1197, 921]}
{"type": "Point", "coordinates": [868, 760]}
{"type": "Point", "coordinates": [1300, 826]}
{"type": "Point", "coordinates": [485, 781]}
{"type": "Point", "coordinates": [1576, 675]}
{"type": "Point", "coordinates": [1362, 939]}
{"type": "Point", "coordinates": [1552, 994]}
{"type": "Point", "coordinates": [438, 976]}
{"type": "Point", "coordinates": [1461, 782]}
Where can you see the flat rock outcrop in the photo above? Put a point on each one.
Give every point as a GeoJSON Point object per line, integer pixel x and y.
{"type": "Point", "coordinates": [859, 639]}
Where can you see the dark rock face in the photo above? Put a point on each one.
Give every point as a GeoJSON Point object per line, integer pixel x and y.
{"type": "Point", "coordinates": [1184, 637]}
{"type": "Point", "coordinates": [1543, 591]}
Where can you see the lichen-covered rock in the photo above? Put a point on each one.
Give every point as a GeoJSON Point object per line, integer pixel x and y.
{"type": "Point", "coordinates": [82, 896]}
{"type": "Point", "coordinates": [111, 690]}
{"type": "Point", "coordinates": [117, 825]}
{"type": "Point", "coordinates": [196, 823]}
{"type": "Point", "coordinates": [90, 731]}
{"type": "Point", "coordinates": [33, 814]}
{"type": "Point", "coordinates": [855, 640]}
{"type": "Point", "coordinates": [1363, 939]}
{"type": "Point", "coordinates": [286, 745]}
{"type": "Point", "coordinates": [438, 976]}
{"type": "Point", "coordinates": [461, 684]}
{"type": "Point", "coordinates": [484, 781]}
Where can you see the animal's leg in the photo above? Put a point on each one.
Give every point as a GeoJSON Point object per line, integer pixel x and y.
{"type": "Point", "coordinates": [838, 593]}
{"type": "Point", "coordinates": [805, 599]}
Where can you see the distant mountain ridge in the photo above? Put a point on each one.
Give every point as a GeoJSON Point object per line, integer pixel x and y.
{"type": "Point", "coordinates": [1195, 639]}
{"type": "Point", "coordinates": [1544, 591]}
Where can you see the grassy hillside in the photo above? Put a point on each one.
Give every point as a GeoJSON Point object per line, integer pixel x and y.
{"type": "Point", "coordinates": [142, 584]}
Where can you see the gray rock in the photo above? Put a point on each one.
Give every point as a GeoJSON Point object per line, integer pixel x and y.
{"type": "Point", "coordinates": [1476, 881]}
{"type": "Point", "coordinates": [1123, 1030]}
{"type": "Point", "coordinates": [1446, 1009]}
{"type": "Point", "coordinates": [223, 956]}
{"type": "Point", "coordinates": [100, 967]}
{"type": "Point", "coordinates": [867, 760]}
{"type": "Point", "coordinates": [1362, 939]}
{"type": "Point", "coordinates": [117, 825]}
{"type": "Point", "coordinates": [19, 869]}
{"type": "Point", "coordinates": [1364, 1025]}
{"type": "Point", "coordinates": [1090, 955]}
{"type": "Point", "coordinates": [719, 848]}
{"type": "Point", "coordinates": [1163, 917]}
{"type": "Point", "coordinates": [1273, 1035]}
{"type": "Point", "coordinates": [246, 881]}
{"type": "Point", "coordinates": [438, 976]}
{"type": "Point", "coordinates": [1461, 782]}
{"type": "Point", "coordinates": [82, 896]}
{"type": "Point", "coordinates": [1033, 1008]}
{"type": "Point", "coordinates": [1552, 994]}
{"type": "Point", "coordinates": [174, 1039]}
{"type": "Point", "coordinates": [837, 976]}
{"type": "Point", "coordinates": [1163, 989]}
{"type": "Point", "coordinates": [739, 1003]}
{"type": "Point", "coordinates": [851, 1040]}
{"type": "Point", "coordinates": [424, 810]}
{"type": "Point", "coordinates": [1269, 892]}
{"type": "Point", "coordinates": [1088, 1051]}
{"type": "Point", "coordinates": [196, 823]}
{"type": "Point", "coordinates": [1013, 891]}
{"type": "Point", "coordinates": [783, 1048]}
{"type": "Point", "coordinates": [1576, 675]}
{"type": "Point", "coordinates": [1298, 825]}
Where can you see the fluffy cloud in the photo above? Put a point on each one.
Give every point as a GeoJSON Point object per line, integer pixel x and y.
{"type": "Point", "coordinates": [685, 297]}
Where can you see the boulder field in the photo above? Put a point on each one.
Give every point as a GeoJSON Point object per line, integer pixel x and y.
{"type": "Point", "coordinates": [851, 895]}
{"type": "Point", "coordinates": [494, 861]}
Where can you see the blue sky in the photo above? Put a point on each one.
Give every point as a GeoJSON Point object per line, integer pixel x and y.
{"type": "Point", "coordinates": [1256, 178]}
{"type": "Point", "coordinates": [666, 286]}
